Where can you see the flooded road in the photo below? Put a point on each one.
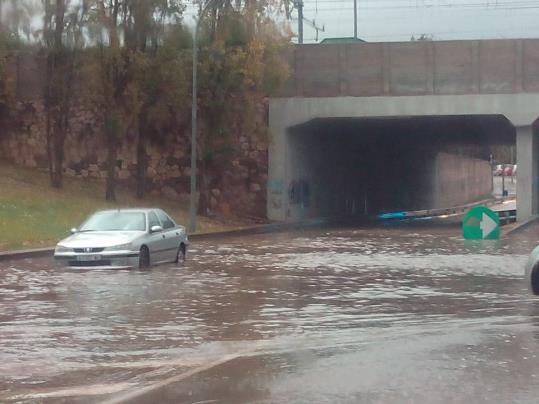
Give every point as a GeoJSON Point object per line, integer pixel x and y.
{"type": "Point", "coordinates": [323, 315]}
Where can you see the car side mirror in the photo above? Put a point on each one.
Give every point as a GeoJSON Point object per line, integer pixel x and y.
{"type": "Point", "coordinates": [73, 230]}
{"type": "Point", "coordinates": [156, 229]}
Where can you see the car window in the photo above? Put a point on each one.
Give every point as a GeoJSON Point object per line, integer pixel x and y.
{"type": "Point", "coordinates": [113, 221]}
{"type": "Point", "coordinates": [167, 221]}
{"type": "Point", "coordinates": [153, 220]}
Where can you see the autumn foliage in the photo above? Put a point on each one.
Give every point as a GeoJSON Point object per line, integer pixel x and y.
{"type": "Point", "coordinates": [134, 58]}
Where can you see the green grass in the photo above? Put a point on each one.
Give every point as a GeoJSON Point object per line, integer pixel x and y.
{"type": "Point", "coordinates": [32, 214]}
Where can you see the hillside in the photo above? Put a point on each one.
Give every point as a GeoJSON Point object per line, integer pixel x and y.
{"type": "Point", "coordinates": [32, 214]}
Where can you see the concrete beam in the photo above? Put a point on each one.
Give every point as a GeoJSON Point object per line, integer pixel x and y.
{"type": "Point", "coordinates": [520, 109]}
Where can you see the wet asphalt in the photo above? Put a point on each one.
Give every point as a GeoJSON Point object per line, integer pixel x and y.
{"type": "Point", "coordinates": [325, 315]}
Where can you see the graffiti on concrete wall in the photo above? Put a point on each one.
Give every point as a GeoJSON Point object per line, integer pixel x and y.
{"type": "Point", "coordinates": [299, 193]}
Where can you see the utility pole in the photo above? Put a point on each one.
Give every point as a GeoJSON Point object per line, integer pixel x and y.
{"type": "Point", "coordinates": [355, 19]}
{"type": "Point", "coordinates": [194, 109]}
{"type": "Point", "coordinates": [313, 24]}
{"type": "Point", "coordinates": [194, 105]}
{"type": "Point", "coordinates": [299, 5]}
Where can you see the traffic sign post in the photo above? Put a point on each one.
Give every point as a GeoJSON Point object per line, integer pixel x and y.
{"type": "Point", "coordinates": [481, 223]}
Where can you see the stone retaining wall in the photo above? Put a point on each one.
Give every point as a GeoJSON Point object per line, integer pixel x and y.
{"type": "Point", "coordinates": [237, 182]}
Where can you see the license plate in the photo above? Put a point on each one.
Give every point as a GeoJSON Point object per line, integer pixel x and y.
{"type": "Point", "coordinates": [88, 257]}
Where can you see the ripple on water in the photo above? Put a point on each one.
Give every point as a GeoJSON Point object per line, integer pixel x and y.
{"type": "Point", "coordinates": [329, 285]}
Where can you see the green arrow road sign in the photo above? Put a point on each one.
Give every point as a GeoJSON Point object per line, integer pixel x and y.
{"type": "Point", "coordinates": [481, 223]}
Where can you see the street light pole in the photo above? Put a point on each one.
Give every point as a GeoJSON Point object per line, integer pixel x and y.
{"type": "Point", "coordinates": [194, 107]}
{"type": "Point", "coordinates": [355, 19]}
{"type": "Point", "coordinates": [299, 5]}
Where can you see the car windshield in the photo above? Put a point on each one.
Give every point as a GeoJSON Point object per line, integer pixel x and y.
{"type": "Point", "coordinates": [111, 221]}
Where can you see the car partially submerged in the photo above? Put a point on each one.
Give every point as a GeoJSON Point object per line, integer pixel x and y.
{"type": "Point", "coordinates": [124, 238]}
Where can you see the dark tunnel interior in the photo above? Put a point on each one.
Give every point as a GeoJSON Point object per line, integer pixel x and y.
{"type": "Point", "coordinates": [356, 166]}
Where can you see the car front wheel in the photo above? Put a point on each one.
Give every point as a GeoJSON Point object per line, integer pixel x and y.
{"type": "Point", "coordinates": [180, 256]}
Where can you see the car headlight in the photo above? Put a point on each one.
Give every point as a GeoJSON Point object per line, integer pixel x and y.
{"type": "Point", "coordinates": [61, 249]}
{"type": "Point", "coordinates": [120, 247]}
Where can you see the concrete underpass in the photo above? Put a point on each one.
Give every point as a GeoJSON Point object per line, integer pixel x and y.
{"type": "Point", "coordinates": [358, 166]}
{"type": "Point", "coordinates": [421, 79]}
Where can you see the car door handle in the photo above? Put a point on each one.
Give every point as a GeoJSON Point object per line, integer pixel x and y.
{"type": "Point", "coordinates": [164, 236]}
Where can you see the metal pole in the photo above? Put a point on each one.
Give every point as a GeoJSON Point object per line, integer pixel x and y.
{"type": "Point", "coordinates": [355, 19]}
{"type": "Point", "coordinates": [503, 180]}
{"type": "Point", "coordinates": [194, 105]}
{"type": "Point", "coordinates": [492, 166]}
{"type": "Point", "coordinates": [300, 21]}
{"type": "Point", "coordinates": [513, 168]}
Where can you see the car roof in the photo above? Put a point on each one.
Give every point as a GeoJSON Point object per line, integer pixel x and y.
{"type": "Point", "coordinates": [136, 210]}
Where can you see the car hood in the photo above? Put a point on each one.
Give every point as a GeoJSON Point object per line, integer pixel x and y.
{"type": "Point", "coordinates": [98, 239]}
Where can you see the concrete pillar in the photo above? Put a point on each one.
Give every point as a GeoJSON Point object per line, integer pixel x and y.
{"type": "Point", "coordinates": [277, 174]}
{"type": "Point", "coordinates": [527, 172]}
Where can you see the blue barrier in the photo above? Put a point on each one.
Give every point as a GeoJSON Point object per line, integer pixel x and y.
{"type": "Point", "coordinates": [392, 215]}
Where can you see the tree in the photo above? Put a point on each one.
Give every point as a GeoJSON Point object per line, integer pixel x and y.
{"type": "Point", "coordinates": [113, 82]}
{"type": "Point", "coordinates": [131, 80]}
{"type": "Point", "coordinates": [161, 76]}
{"type": "Point", "coordinates": [62, 36]}
{"type": "Point", "coordinates": [243, 59]}
{"type": "Point", "coordinates": [7, 41]}
{"type": "Point", "coordinates": [16, 19]}
{"type": "Point", "coordinates": [7, 96]}
{"type": "Point", "coordinates": [165, 84]}
{"type": "Point", "coordinates": [137, 71]}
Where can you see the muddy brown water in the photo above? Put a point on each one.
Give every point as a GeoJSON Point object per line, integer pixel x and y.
{"type": "Point", "coordinates": [400, 313]}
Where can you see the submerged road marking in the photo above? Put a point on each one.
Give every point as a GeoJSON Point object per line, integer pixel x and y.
{"type": "Point", "coordinates": [87, 390]}
{"type": "Point", "coordinates": [136, 393]}
{"type": "Point", "coordinates": [130, 395]}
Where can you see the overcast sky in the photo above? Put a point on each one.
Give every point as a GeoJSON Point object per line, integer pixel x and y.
{"type": "Point", "coordinates": [398, 20]}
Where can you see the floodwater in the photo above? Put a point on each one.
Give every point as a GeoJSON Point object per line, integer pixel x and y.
{"type": "Point", "coordinates": [404, 314]}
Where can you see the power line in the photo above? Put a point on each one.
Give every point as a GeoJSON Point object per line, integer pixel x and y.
{"type": "Point", "coordinates": [298, 4]}
{"type": "Point", "coordinates": [405, 37]}
{"type": "Point", "coordinates": [438, 4]}
{"type": "Point", "coordinates": [338, 16]}
{"type": "Point", "coordinates": [333, 10]}
{"type": "Point", "coordinates": [483, 6]}
{"type": "Point", "coordinates": [366, 10]}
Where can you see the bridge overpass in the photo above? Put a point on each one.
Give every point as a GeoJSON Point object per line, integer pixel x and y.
{"type": "Point", "coordinates": [378, 126]}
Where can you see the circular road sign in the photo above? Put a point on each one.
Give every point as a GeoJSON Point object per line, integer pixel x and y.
{"type": "Point", "coordinates": [481, 223]}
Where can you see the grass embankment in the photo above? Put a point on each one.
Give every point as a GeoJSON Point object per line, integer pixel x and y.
{"type": "Point", "coordinates": [32, 214]}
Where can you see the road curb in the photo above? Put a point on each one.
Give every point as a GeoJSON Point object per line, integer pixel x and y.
{"type": "Point", "coordinates": [31, 253]}
{"type": "Point", "coordinates": [522, 226]}
{"type": "Point", "coordinates": [260, 229]}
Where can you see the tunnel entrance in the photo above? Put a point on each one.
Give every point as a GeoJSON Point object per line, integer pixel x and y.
{"type": "Point", "coordinates": [364, 166]}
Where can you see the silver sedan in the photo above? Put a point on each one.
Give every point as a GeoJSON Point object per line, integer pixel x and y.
{"type": "Point", "coordinates": [125, 238]}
